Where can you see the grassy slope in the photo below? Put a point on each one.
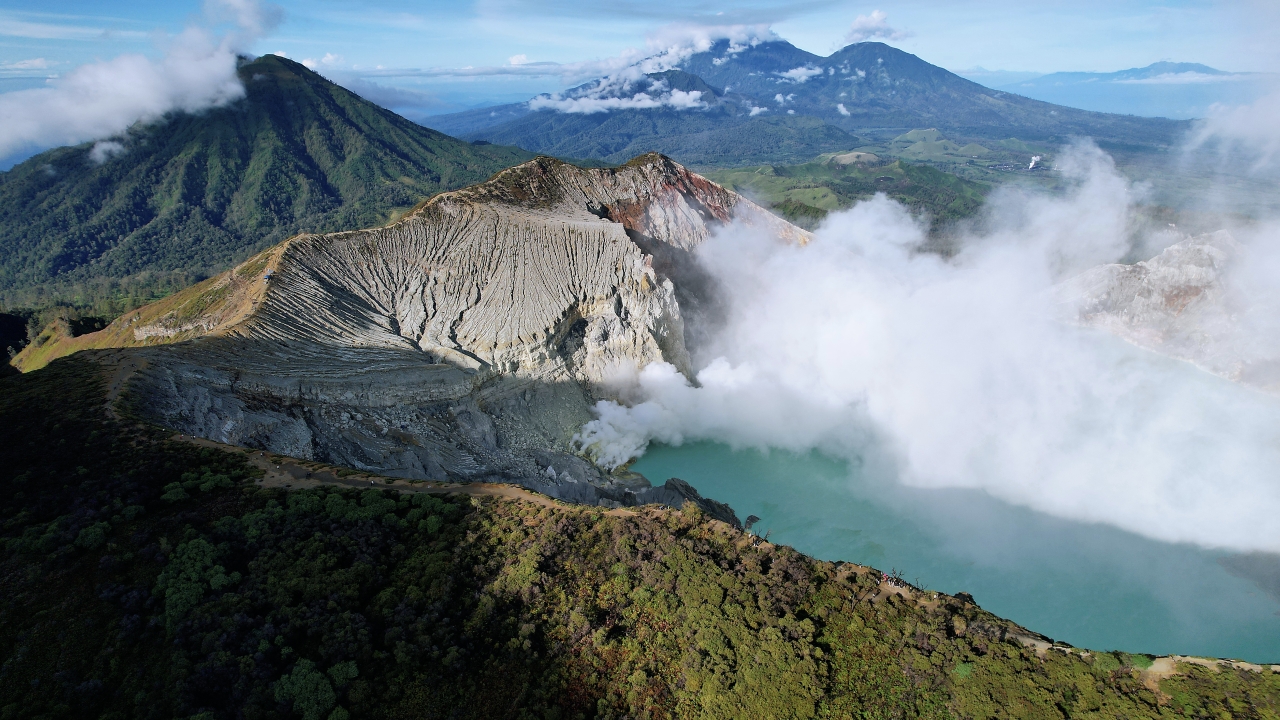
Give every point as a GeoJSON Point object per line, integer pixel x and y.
{"type": "Point", "coordinates": [204, 308]}
{"type": "Point", "coordinates": [196, 193]}
{"type": "Point", "coordinates": [804, 194]}
{"type": "Point", "coordinates": [146, 578]}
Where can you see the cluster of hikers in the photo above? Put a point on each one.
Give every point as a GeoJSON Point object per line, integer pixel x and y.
{"type": "Point", "coordinates": [893, 580]}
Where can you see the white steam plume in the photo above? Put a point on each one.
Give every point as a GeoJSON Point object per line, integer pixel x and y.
{"type": "Point", "coordinates": [1253, 130]}
{"type": "Point", "coordinates": [627, 87]}
{"type": "Point", "coordinates": [873, 26]}
{"type": "Point", "coordinates": [961, 372]}
{"type": "Point", "coordinates": [102, 99]}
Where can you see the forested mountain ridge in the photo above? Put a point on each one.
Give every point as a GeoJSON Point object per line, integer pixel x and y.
{"type": "Point", "coordinates": [176, 200]}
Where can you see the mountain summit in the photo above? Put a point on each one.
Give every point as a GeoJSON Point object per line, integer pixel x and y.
{"type": "Point", "coordinates": [1165, 89]}
{"type": "Point", "coordinates": [774, 102]}
{"type": "Point", "coordinates": [196, 193]}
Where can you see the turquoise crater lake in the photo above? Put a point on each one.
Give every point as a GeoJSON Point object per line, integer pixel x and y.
{"type": "Point", "coordinates": [1090, 585]}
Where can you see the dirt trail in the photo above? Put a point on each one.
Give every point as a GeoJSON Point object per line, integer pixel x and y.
{"type": "Point", "coordinates": [118, 369]}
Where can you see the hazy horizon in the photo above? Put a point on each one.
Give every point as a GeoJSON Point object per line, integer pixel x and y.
{"type": "Point", "coordinates": [424, 60]}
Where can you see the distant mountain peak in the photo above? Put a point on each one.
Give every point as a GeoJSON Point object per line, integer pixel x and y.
{"type": "Point", "coordinates": [1168, 89]}
{"type": "Point", "coordinates": [195, 193]}
{"type": "Point", "coordinates": [864, 88]}
{"type": "Point", "coordinates": [1165, 66]}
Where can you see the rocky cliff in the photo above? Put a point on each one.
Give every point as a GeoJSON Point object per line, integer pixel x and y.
{"type": "Point", "coordinates": [467, 341]}
{"type": "Point", "coordinates": [1186, 304]}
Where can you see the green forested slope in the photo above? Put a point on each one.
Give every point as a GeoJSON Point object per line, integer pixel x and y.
{"type": "Point", "coordinates": [704, 138]}
{"type": "Point", "coordinates": [804, 194]}
{"type": "Point", "coordinates": [145, 578]}
{"type": "Point", "coordinates": [195, 193]}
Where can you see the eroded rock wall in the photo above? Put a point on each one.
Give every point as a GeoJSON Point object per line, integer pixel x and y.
{"type": "Point", "coordinates": [468, 341]}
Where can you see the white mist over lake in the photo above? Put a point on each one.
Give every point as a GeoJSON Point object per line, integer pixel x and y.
{"type": "Point", "coordinates": [962, 373]}
{"type": "Point", "coordinates": [1090, 585]}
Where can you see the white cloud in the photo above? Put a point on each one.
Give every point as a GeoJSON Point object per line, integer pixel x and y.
{"type": "Point", "coordinates": [589, 104]}
{"type": "Point", "coordinates": [783, 99]}
{"type": "Point", "coordinates": [1184, 78]}
{"type": "Point", "coordinates": [250, 19]}
{"type": "Point", "coordinates": [1251, 131]}
{"type": "Point", "coordinates": [960, 372]}
{"type": "Point", "coordinates": [664, 49]}
{"type": "Point", "coordinates": [104, 150]}
{"type": "Point", "coordinates": [104, 98]}
{"type": "Point", "coordinates": [800, 74]}
{"type": "Point", "coordinates": [329, 60]}
{"type": "Point", "coordinates": [872, 27]}
{"type": "Point", "coordinates": [843, 111]}
{"type": "Point", "coordinates": [32, 64]}
{"type": "Point", "coordinates": [757, 110]}
{"type": "Point", "coordinates": [686, 39]}
{"type": "Point", "coordinates": [625, 85]}
{"type": "Point", "coordinates": [518, 60]}
{"type": "Point", "coordinates": [13, 27]}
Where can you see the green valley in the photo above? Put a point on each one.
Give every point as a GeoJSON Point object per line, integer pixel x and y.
{"type": "Point", "coordinates": [804, 194]}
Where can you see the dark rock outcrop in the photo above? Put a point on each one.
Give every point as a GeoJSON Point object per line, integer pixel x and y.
{"type": "Point", "coordinates": [468, 341]}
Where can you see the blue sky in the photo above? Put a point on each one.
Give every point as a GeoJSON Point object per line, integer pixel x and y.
{"type": "Point", "coordinates": [404, 44]}
{"type": "Point", "coordinates": [425, 37]}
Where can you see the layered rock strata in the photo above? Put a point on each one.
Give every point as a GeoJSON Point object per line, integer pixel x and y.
{"type": "Point", "coordinates": [467, 341]}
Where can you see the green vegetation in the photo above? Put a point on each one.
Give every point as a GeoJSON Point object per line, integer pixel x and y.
{"type": "Point", "coordinates": [990, 161]}
{"type": "Point", "coordinates": [702, 138]}
{"type": "Point", "coordinates": [14, 336]}
{"type": "Point", "coordinates": [194, 194]}
{"type": "Point", "coordinates": [804, 194]}
{"type": "Point", "coordinates": [143, 577]}
{"type": "Point", "coordinates": [931, 145]}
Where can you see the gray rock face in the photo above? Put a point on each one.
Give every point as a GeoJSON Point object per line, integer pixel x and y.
{"type": "Point", "coordinates": [1181, 303]}
{"type": "Point", "coordinates": [467, 341]}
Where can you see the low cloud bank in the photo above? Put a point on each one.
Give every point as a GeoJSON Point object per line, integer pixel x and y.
{"type": "Point", "coordinates": [963, 372]}
{"type": "Point", "coordinates": [800, 75]}
{"type": "Point", "coordinates": [627, 86]}
{"type": "Point", "coordinates": [1187, 78]}
{"type": "Point", "coordinates": [613, 94]}
{"type": "Point", "coordinates": [102, 99]}
{"type": "Point", "coordinates": [1251, 130]}
{"type": "Point", "coordinates": [873, 27]}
